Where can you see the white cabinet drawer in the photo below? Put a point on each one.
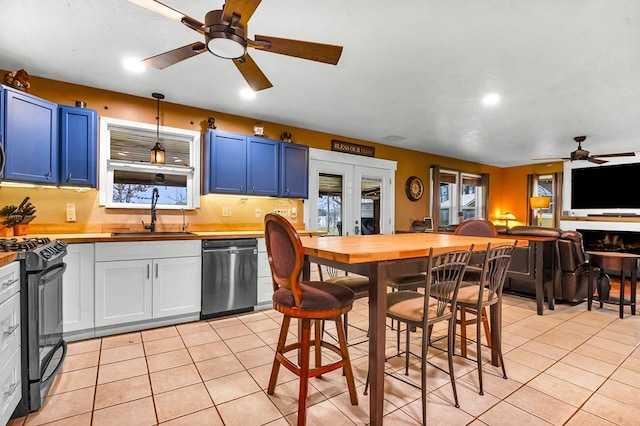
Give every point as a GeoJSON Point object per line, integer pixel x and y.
{"type": "Point", "coordinates": [264, 270]}
{"type": "Point", "coordinates": [9, 280]}
{"type": "Point", "coordinates": [262, 245]}
{"type": "Point", "coordinates": [265, 290]}
{"type": "Point", "coordinates": [147, 250]}
{"type": "Point", "coordinates": [10, 386]}
{"type": "Point", "coordinates": [9, 327]}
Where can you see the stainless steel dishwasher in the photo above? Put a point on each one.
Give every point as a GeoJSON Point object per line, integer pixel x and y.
{"type": "Point", "coordinates": [229, 276]}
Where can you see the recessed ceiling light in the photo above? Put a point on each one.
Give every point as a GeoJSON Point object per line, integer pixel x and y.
{"type": "Point", "coordinates": [133, 65]}
{"type": "Point", "coordinates": [247, 93]}
{"type": "Point", "coordinates": [491, 99]}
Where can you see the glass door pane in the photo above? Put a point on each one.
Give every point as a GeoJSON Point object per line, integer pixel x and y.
{"type": "Point", "coordinates": [330, 203]}
{"type": "Point", "coordinates": [370, 205]}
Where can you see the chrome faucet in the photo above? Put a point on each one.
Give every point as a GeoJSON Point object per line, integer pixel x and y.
{"type": "Point", "coordinates": [154, 201]}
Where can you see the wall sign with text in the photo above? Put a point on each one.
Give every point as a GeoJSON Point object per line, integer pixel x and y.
{"type": "Point", "coordinates": [352, 148]}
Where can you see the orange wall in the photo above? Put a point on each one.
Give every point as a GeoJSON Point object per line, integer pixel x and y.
{"type": "Point", "coordinates": [514, 191]}
{"type": "Point", "coordinates": [507, 186]}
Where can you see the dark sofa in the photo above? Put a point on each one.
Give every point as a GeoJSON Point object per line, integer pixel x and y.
{"type": "Point", "coordinates": [553, 259]}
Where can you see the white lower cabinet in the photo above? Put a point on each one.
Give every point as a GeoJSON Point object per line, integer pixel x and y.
{"type": "Point", "coordinates": [265, 282]}
{"type": "Point", "coordinates": [78, 290]}
{"type": "Point", "coordinates": [146, 280]}
{"type": "Point", "coordinates": [176, 286]}
{"type": "Point", "coordinates": [10, 343]}
{"type": "Point", "coordinates": [123, 292]}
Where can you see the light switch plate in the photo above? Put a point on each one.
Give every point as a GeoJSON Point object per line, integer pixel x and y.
{"type": "Point", "coordinates": [71, 212]}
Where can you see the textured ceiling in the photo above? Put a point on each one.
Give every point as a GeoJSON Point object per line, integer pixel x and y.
{"type": "Point", "coordinates": [412, 72]}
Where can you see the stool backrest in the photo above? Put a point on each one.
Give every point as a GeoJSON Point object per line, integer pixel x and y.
{"type": "Point", "coordinates": [444, 275]}
{"type": "Point", "coordinates": [285, 254]}
{"type": "Point", "coordinates": [495, 267]}
{"type": "Point", "coordinates": [477, 227]}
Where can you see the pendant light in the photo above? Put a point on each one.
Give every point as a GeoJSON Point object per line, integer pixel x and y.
{"type": "Point", "coordinates": [157, 152]}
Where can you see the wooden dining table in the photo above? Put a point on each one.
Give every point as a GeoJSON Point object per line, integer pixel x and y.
{"type": "Point", "coordinates": [379, 257]}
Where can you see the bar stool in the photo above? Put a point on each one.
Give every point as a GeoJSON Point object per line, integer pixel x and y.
{"type": "Point", "coordinates": [623, 262]}
{"type": "Point", "coordinates": [308, 301]}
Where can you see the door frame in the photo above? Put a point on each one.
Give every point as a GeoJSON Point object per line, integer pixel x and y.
{"type": "Point", "coordinates": [352, 167]}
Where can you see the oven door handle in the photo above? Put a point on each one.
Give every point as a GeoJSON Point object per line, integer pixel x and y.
{"type": "Point", "coordinates": [58, 367]}
{"type": "Point", "coordinates": [51, 273]}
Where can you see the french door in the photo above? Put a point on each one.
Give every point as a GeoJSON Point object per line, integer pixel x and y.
{"type": "Point", "coordinates": [350, 195]}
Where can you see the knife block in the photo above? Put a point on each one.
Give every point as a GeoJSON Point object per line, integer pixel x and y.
{"type": "Point", "coordinates": [20, 229]}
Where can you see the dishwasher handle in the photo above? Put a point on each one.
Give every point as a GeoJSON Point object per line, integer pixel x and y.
{"type": "Point", "coordinates": [231, 250]}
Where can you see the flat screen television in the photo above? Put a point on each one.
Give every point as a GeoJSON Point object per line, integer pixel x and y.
{"type": "Point", "coordinates": [605, 187]}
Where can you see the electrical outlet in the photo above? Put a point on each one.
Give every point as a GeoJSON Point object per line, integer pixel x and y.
{"type": "Point", "coordinates": [293, 212]}
{"type": "Point", "coordinates": [71, 212]}
{"type": "Point", "coordinates": [281, 212]}
{"type": "Point", "coordinates": [226, 211]}
{"type": "Point", "coordinates": [258, 213]}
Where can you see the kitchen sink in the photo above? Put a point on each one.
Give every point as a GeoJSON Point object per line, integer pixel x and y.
{"type": "Point", "coordinates": [150, 234]}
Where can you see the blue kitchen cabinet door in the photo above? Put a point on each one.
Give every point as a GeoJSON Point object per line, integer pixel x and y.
{"type": "Point", "coordinates": [30, 138]}
{"type": "Point", "coordinates": [2, 100]}
{"type": "Point", "coordinates": [262, 166]}
{"type": "Point", "coordinates": [294, 170]}
{"type": "Point", "coordinates": [78, 146]}
{"type": "Point", "coordinates": [225, 163]}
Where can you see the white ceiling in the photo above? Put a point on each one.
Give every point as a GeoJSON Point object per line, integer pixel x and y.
{"type": "Point", "coordinates": [413, 70]}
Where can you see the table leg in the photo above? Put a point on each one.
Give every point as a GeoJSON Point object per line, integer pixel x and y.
{"type": "Point", "coordinates": [550, 294]}
{"type": "Point", "coordinates": [622, 280]}
{"type": "Point", "coordinates": [634, 279]}
{"type": "Point", "coordinates": [377, 325]}
{"type": "Point", "coordinates": [590, 275]}
{"type": "Point", "coordinates": [495, 311]}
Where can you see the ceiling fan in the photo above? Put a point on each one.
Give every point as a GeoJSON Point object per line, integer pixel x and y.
{"type": "Point", "coordinates": [583, 154]}
{"type": "Point", "coordinates": [225, 35]}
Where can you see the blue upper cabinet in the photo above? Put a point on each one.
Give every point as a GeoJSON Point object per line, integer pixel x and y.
{"type": "Point", "coordinates": [238, 164]}
{"type": "Point", "coordinates": [78, 146]}
{"type": "Point", "coordinates": [294, 170]}
{"type": "Point", "coordinates": [262, 166]}
{"type": "Point", "coordinates": [225, 163]}
{"type": "Point", "coordinates": [2, 98]}
{"type": "Point", "coordinates": [30, 138]}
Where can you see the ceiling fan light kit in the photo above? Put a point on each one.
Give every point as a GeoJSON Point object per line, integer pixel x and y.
{"type": "Point", "coordinates": [225, 36]}
{"type": "Point", "coordinates": [583, 155]}
{"type": "Point", "coordinates": [224, 41]}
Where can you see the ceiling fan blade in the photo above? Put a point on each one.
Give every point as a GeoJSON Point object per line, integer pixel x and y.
{"type": "Point", "coordinates": [171, 13]}
{"type": "Point", "coordinates": [252, 74]}
{"type": "Point", "coordinates": [174, 56]}
{"type": "Point", "coordinates": [596, 160]}
{"type": "Point", "coordinates": [327, 53]}
{"type": "Point", "coordinates": [618, 154]}
{"type": "Point", "coordinates": [244, 8]}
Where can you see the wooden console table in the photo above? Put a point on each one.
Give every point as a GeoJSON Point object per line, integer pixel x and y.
{"type": "Point", "coordinates": [623, 262]}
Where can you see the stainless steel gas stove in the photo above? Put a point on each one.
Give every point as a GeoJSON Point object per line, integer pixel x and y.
{"type": "Point", "coordinates": [43, 349]}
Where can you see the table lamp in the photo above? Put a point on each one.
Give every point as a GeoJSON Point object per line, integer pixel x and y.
{"type": "Point", "coordinates": [507, 217]}
{"type": "Point", "coordinates": [540, 203]}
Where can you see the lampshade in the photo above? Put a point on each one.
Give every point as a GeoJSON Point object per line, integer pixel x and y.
{"type": "Point", "coordinates": [507, 216]}
{"type": "Point", "coordinates": [540, 202]}
{"type": "Point", "coordinates": [157, 154]}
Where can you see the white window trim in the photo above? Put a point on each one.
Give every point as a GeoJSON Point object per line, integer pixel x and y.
{"type": "Point", "coordinates": [108, 166]}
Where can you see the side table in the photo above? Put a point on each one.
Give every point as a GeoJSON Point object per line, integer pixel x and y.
{"type": "Point", "coordinates": [626, 263]}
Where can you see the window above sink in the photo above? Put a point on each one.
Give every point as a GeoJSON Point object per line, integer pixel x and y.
{"type": "Point", "coordinates": [127, 176]}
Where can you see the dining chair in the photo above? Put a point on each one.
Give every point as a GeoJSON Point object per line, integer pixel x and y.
{"type": "Point", "coordinates": [424, 310]}
{"type": "Point", "coordinates": [308, 301]}
{"type": "Point", "coordinates": [476, 297]}
{"type": "Point", "coordinates": [359, 285]}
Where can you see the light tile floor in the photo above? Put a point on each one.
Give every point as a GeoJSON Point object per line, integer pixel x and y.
{"type": "Point", "coordinates": [568, 366]}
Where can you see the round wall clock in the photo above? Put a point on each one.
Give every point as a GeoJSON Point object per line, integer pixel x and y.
{"type": "Point", "coordinates": [414, 188]}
